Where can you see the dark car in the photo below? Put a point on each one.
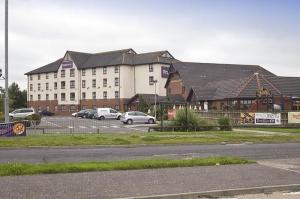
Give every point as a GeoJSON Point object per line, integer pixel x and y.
{"type": "Point", "coordinates": [46, 113]}
{"type": "Point", "coordinates": [91, 114]}
{"type": "Point", "coordinates": [83, 113]}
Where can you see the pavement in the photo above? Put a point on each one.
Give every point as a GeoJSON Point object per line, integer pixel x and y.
{"type": "Point", "coordinates": [119, 184]}
{"type": "Point", "coordinates": [249, 151]}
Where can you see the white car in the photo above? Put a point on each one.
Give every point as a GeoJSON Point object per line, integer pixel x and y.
{"type": "Point", "coordinates": [107, 113]}
{"type": "Point", "coordinates": [21, 113]}
{"type": "Point", "coordinates": [137, 117]}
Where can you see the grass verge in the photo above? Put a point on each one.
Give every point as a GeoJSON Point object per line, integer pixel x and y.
{"type": "Point", "coordinates": [203, 137]}
{"type": "Point", "coordinates": [13, 169]}
{"type": "Point", "coordinates": [279, 130]}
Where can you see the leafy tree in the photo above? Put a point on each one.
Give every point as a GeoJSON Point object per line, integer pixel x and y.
{"type": "Point", "coordinates": [17, 98]}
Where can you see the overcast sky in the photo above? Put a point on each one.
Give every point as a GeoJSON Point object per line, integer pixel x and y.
{"type": "Point", "coordinates": [261, 32]}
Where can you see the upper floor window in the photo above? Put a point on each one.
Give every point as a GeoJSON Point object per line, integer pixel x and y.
{"type": "Point", "coordinates": [72, 72]}
{"type": "Point", "coordinates": [72, 96]}
{"type": "Point", "coordinates": [104, 94]}
{"type": "Point", "coordinates": [63, 85]}
{"type": "Point", "coordinates": [47, 86]}
{"type": "Point", "coordinates": [31, 87]}
{"type": "Point", "coordinates": [104, 82]}
{"type": "Point", "coordinates": [93, 71]}
{"type": "Point", "coordinates": [39, 76]}
{"type": "Point", "coordinates": [150, 68]}
{"type": "Point", "coordinates": [62, 73]}
{"type": "Point", "coordinates": [116, 69]}
{"type": "Point", "coordinates": [83, 84]}
{"type": "Point", "coordinates": [47, 96]}
{"type": "Point", "coordinates": [47, 76]}
{"type": "Point", "coordinates": [104, 70]}
{"type": "Point", "coordinates": [63, 97]}
{"type": "Point", "coordinates": [30, 77]}
{"type": "Point", "coordinates": [116, 81]}
{"type": "Point", "coordinates": [116, 94]}
{"type": "Point", "coordinates": [94, 83]}
{"type": "Point", "coordinates": [31, 97]}
{"type": "Point", "coordinates": [39, 97]}
{"type": "Point", "coordinates": [83, 72]}
{"type": "Point", "coordinates": [55, 75]}
{"type": "Point", "coordinates": [151, 80]}
{"type": "Point", "coordinates": [55, 96]}
{"type": "Point", "coordinates": [55, 85]}
{"type": "Point", "coordinates": [72, 84]}
{"type": "Point", "coordinates": [39, 86]}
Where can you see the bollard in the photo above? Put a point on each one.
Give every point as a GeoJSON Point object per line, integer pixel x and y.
{"type": "Point", "coordinates": [98, 130]}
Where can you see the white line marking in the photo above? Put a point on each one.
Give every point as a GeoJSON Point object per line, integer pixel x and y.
{"type": "Point", "coordinates": [114, 126]}
{"type": "Point", "coordinates": [70, 127]}
{"type": "Point", "coordinates": [291, 193]}
{"type": "Point", "coordinates": [53, 124]}
{"type": "Point", "coordinates": [104, 126]}
{"type": "Point", "coordinates": [138, 129]}
{"type": "Point", "coordinates": [82, 127]}
{"type": "Point", "coordinates": [94, 127]}
{"type": "Point", "coordinates": [277, 167]}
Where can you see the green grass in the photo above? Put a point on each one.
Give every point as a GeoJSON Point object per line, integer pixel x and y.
{"type": "Point", "coordinates": [279, 130]}
{"type": "Point", "coordinates": [13, 169]}
{"type": "Point", "coordinates": [203, 137]}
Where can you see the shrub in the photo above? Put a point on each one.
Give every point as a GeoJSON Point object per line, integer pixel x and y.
{"type": "Point", "coordinates": [224, 123]}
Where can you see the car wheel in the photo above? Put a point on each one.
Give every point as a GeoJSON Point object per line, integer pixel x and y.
{"type": "Point", "coordinates": [102, 118]}
{"type": "Point", "coordinates": [129, 121]}
{"type": "Point", "coordinates": [119, 117]}
{"type": "Point", "coordinates": [151, 121]}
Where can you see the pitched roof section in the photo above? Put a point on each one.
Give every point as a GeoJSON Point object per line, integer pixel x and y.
{"type": "Point", "coordinates": [52, 67]}
{"type": "Point", "coordinates": [199, 74]}
{"type": "Point", "coordinates": [289, 86]}
{"type": "Point", "coordinates": [110, 58]}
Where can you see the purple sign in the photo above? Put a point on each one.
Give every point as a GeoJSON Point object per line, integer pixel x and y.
{"type": "Point", "coordinates": [12, 129]}
{"type": "Point", "coordinates": [67, 64]}
{"type": "Point", "coordinates": [164, 72]}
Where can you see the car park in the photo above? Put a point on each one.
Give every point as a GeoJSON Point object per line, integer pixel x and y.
{"type": "Point", "coordinates": [137, 117]}
{"type": "Point", "coordinates": [107, 113]}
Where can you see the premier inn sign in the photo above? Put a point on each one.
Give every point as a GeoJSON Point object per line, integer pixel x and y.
{"type": "Point", "coordinates": [67, 64]}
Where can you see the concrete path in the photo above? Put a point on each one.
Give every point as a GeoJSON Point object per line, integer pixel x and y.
{"type": "Point", "coordinates": [117, 184]}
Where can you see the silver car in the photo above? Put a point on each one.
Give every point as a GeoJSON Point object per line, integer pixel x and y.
{"type": "Point", "coordinates": [136, 117]}
{"type": "Point", "coordinates": [21, 113]}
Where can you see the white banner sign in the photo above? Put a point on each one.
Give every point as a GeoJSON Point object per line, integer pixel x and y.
{"type": "Point", "coordinates": [294, 117]}
{"type": "Point", "coordinates": [267, 118]}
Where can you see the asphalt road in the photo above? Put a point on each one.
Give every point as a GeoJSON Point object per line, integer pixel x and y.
{"type": "Point", "coordinates": [80, 125]}
{"type": "Point", "coordinates": [250, 151]}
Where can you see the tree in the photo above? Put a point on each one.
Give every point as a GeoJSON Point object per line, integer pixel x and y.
{"type": "Point", "coordinates": [17, 98]}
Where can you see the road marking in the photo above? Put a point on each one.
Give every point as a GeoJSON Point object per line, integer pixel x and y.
{"type": "Point", "coordinates": [277, 166]}
{"type": "Point", "coordinates": [53, 124]}
{"type": "Point", "coordinates": [291, 193]}
{"type": "Point", "coordinates": [70, 127]}
{"type": "Point", "coordinates": [94, 127]}
{"type": "Point", "coordinates": [104, 126]}
{"type": "Point", "coordinates": [137, 129]}
{"type": "Point", "coordinates": [114, 126]}
{"type": "Point", "coordinates": [82, 127]}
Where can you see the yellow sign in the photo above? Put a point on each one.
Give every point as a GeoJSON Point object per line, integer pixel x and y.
{"type": "Point", "coordinates": [294, 117]}
{"type": "Point", "coordinates": [19, 128]}
{"type": "Point", "coordinates": [247, 118]}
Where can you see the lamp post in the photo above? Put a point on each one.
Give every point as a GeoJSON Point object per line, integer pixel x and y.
{"type": "Point", "coordinates": [6, 107]}
{"type": "Point", "coordinates": [155, 81]}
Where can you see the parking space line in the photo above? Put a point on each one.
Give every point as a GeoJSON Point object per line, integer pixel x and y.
{"type": "Point", "coordinates": [104, 126]}
{"type": "Point", "coordinates": [114, 126]}
{"type": "Point", "coordinates": [70, 127]}
{"type": "Point", "coordinates": [82, 127]}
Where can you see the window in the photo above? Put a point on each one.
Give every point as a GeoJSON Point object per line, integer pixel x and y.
{"type": "Point", "coordinates": [116, 69]}
{"type": "Point", "coordinates": [31, 87]}
{"type": "Point", "coordinates": [47, 86]}
{"type": "Point", "coordinates": [104, 94]}
{"type": "Point", "coordinates": [150, 68]}
{"type": "Point", "coordinates": [63, 108]}
{"type": "Point", "coordinates": [55, 96]}
{"type": "Point", "coordinates": [94, 83]}
{"type": "Point", "coordinates": [39, 86]}
{"type": "Point", "coordinates": [72, 84]}
{"type": "Point", "coordinates": [39, 97]}
{"type": "Point", "coordinates": [183, 90]}
{"type": "Point", "coordinates": [31, 97]}
{"type": "Point", "coordinates": [47, 96]}
{"type": "Point", "coordinates": [55, 85]}
{"type": "Point", "coordinates": [93, 71]}
{"type": "Point", "coordinates": [63, 97]}
{"type": "Point", "coordinates": [94, 95]}
{"type": "Point", "coordinates": [47, 76]}
{"type": "Point", "coordinates": [83, 72]}
{"type": "Point", "coordinates": [104, 82]}
{"type": "Point", "coordinates": [83, 83]}
{"type": "Point", "coordinates": [55, 75]}
{"type": "Point", "coordinates": [116, 94]}
{"type": "Point", "coordinates": [73, 108]}
{"type": "Point", "coordinates": [39, 76]}
{"type": "Point", "coordinates": [72, 96]}
{"type": "Point", "coordinates": [72, 72]}
{"type": "Point", "coordinates": [116, 81]}
{"type": "Point", "coordinates": [83, 96]}
{"type": "Point", "coordinates": [151, 80]}
{"type": "Point", "coordinates": [63, 85]}
{"type": "Point", "coordinates": [30, 77]}
{"type": "Point", "coordinates": [104, 70]}
{"type": "Point", "coordinates": [62, 73]}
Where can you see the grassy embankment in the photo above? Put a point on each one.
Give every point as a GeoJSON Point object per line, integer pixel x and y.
{"type": "Point", "coordinates": [12, 169]}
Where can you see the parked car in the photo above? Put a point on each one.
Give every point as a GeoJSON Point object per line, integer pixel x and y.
{"type": "Point", "coordinates": [74, 114]}
{"type": "Point", "coordinates": [107, 113]}
{"type": "Point", "coordinates": [137, 117]}
{"type": "Point", "coordinates": [46, 113]}
{"type": "Point", "coordinates": [83, 113]}
{"type": "Point", "coordinates": [21, 113]}
{"type": "Point", "coordinates": [91, 114]}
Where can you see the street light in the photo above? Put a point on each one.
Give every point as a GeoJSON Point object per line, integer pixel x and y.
{"type": "Point", "coordinates": [155, 81]}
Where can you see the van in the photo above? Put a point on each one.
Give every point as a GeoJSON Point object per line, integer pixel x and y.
{"type": "Point", "coordinates": [107, 113]}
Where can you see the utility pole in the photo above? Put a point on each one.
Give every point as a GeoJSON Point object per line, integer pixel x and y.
{"type": "Point", "coordinates": [6, 106]}
{"type": "Point", "coordinates": [155, 81]}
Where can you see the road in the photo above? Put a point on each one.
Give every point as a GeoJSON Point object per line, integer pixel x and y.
{"type": "Point", "coordinates": [250, 151]}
